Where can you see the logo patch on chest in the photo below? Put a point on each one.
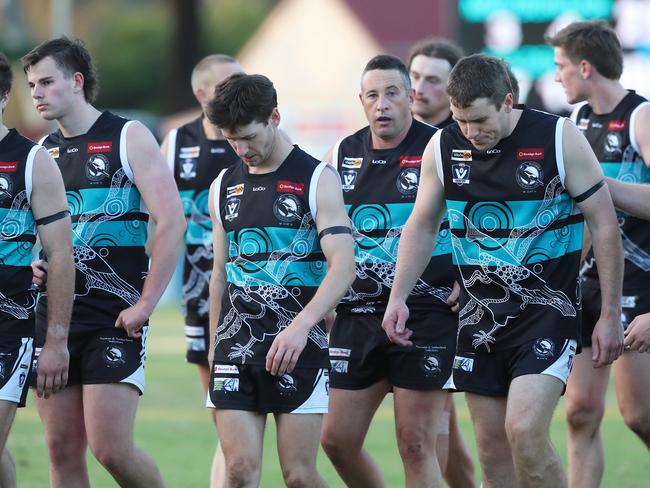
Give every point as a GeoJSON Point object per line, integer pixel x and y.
{"type": "Point", "coordinates": [408, 180]}
{"type": "Point", "coordinates": [8, 166]}
{"type": "Point", "coordinates": [188, 169]}
{"type": "Point", "coordinates": [461, 155]}
{"type": "Point", "coordinates": [99, 147]}
{"type": "Point", "coordinates": [530, 175]}
{"type": "Point", "coordinates": [98, 168]}
{"type": "Point", "coordinates": [232, 209]}
{"type": "Point", "coordinates": [352, 163]}
{"type": "Point", "coordinates": [287, 208]}
{"type": "Point", "coordinates": [6, 185]}
{"type": "Point", "coordinates": [460, 173]}
{"type": "Point", "coordinates": [349, 177]}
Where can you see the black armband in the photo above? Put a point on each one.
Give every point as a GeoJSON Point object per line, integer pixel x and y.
{"type": "Point", "coordinates": [583, 196]}
{"type": "Point", "coordinates": [337, 229]}
{"type": "Point", "coordinates": [53, 218]}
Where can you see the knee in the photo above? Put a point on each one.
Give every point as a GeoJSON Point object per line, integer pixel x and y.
{"type": "Point", "coordinates": [111, 458]}
{"type": "Point", "coordinates": [526, 439]}
{"type": "Point", "coordinates": [338, 447]}
{"type": "Point", "coordinates": [299, 476]}
{"type": "Point", "coordinates": [241, 470]}
{"type": "Point", "coordinates": [639, 423]}
{"type": "Point", "coordinates": [584, 413]}
{"type": "Point", "coordinates": [64, 449]}
{"type": "Point", "coordinates": [416, 445]}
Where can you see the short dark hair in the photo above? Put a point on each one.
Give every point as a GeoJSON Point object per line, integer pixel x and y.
{"type": "Point", "coordinates": [6, 76]}
{"type": "Point", "coordinates": [71, 56]}
{"type": "Point", "coordinates": [594, 41]}
{"type": "Point", "coordinates": [478, 76]}
{"type": "Point", "coordinates": [388, 62]}
{"type": "Point", "coordinates": [437, 47]}
{"type": "Point", "coordinates": [241, 99]}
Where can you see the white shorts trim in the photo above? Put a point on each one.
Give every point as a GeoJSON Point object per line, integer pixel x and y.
{"type": "Point", "coordinates": [17, 373]}
{"type": "Point", "coordinates": [137, 377]}
{"type": "Point", "coordinates": [561, 368]}
{"type": "Point", "coordinates": [318, 400]}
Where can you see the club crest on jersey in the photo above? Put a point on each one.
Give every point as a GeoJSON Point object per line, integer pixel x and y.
{"type": "Point", "coordinates": [349, 177]}
{"type": "Point", "coordinates": [544, 348]}
{"type": "Point", "coordinates": [98, 168]}
{"type": "Point", "coordinates": [352, 163]}
{"type": "Point", "coordinates": [235, 191]}
{"type": "Point", "coordinates": [408, 180]}
{"type": "Point", "coordinates": [613, 143]}
{"type": "Point", "coordinates": [461, 155]}
{"type": "Point", "coordinates": [530, 175]}
{"type": "Point", "coordinates": [430, 365]}
{"type": "Point", "coordinates": [6, 185]}
{"type": "Point", "coordinates": [232, 208]}
{"type": "Point", "coordinates": [460, 173]}
{"type": "Point", "coordinates": [287, 208]}
{"type": "Point", "coordinates": [188, 169]}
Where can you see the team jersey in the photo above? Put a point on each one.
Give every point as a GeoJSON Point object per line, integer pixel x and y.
{"type": "Point", "coordinates": [379, 190]}
{"type": "Point", "coordinates": [109, 221]}
{"type": "Point", "coordinates": [275, 263]}
{"type": "Point", "coordinates": [17, 237]}
{"type": "Point", "coordinates": [195, 162]}
{"type": "Point", "coordinates": [613, 139]}
{"type": "Point", "coordinates": [516, 234]}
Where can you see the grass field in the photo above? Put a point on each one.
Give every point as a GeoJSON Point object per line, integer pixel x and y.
{"type": "Point", "coordinates": [175, 429]}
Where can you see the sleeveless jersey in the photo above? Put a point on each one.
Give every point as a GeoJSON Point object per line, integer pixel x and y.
{"type": "Point", "coordinates": [195, 162]}
{"type": "Point", "coordinates": [17, 236]}
{"type": "Point", "coordinates": [612, 137]}
{"type": "Point", "coordinates": [516, 234]}
{"type": "Point", "coordinates": [275, 262]}
{"type": "Point", "coordinates": [109, 221]}
{"type": "Point", "coordinates": [379, 189]}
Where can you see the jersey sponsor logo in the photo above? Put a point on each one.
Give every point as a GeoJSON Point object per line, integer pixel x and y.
{"type": "Point", "coordinates": [226, 369]}
{"type": "Point", "coordinates": [410, 161]}
{"type": "Point", "coordinates": [530, 175]}
{"type": "Point", "coordinates": [349, 177]}
{"type": "Point", "coordinates": [494, 150]}
{"type": "Point", "coordinates": [99, 147]}
{"type": "Point", "coordinates": [21, 379]}
{"type": "Point", "coordinates": [616, 125]}
{"type": "Point", "coordinates": [285, 186]}
{"type": "Point", "coordinates": [54, 151]}
{"type": "Point", "coordinates": [114, 356]}
{"type": "Point", "coordinates": [544, 348]}
{"type": "Point", "coordinates": [583, 124]}
{"type": "Point", "coordinates": [339, 365]}
{"type": "Point", "coordinates": [408, 180]}
{"type": "Point", "coordinates": [189, 152]}
{"type": "Point", "coordinates": [461, 155]}
{"type": "Point", "coordinates": [378, 161]}
{"type": "Point", "coordinates": [364, 309]}
{"type": "Point", "coordinates": [8, 166]}
{"type": "Point", "coordinates": [287, 385]}
{"type": "Point", "coordinates": [613, 143]}
{"type": "Point", "coordinates": [188, 169]}
{"type": "Point", "coordinates": [596, 125]}
{"type": "Point", "coordinates": [72, 150]}
{"type": "Point", "coordinates": [530, 153]}
{"type": "Point", "coordinates": [235, 191]}
{"type": "Point", "coordinates": [217, 150]}
{"type": "Point", "coordinates": [6, 185]}
{"type": "Point", "coordinates": [352, 163]}
{"type": "Point", "coordinates": [225, 385]}
{"type": "Point", "coordinates": [287, 208]}
{"type": "Point", "coordinates": [232, 209]}
{"type": "Point", "coordinates": [430, 364]}
{"type": "Point", "coordinates": [628, 301]}
{"type": "Point", "coordinates": [463, 364]}
{"type": "Point", "coordinates": [340, 352]}
{"type": "Point", "coordinates": [98, 168]}
{"type": "Point", "coordinates": [259, 188]}
{"type": "Point", "coordinates": [460, 173]}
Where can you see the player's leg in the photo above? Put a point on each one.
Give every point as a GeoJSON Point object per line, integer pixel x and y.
{"type": "Point", "coordinates": [460, 472]}
{"type": "Point", "coordinates": [7, 465]}
{"type": "Point", "coordinates": [109, 411]}
{"type": "Point", "coordinates": [417, 418]}
{"type": "Point", "coordinates": [632, 373]}
{"type": "Point", "coordinates": [298, 440]}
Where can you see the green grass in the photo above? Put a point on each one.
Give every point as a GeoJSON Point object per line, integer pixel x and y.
{"type": "Point", "coordinates": [175, 429]}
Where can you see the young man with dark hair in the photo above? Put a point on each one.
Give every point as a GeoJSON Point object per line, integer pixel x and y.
{"type": "Point", "coordinates": [196, 153]}
{"type": "Point", "coordinates": [283, 258]}
{"type": "Point", "coordinates": [380, 167]}
{"type": "Point", "coordinates": [616, 122]}
{"type": "Point", "coordinates": [114, 176]}
{"type": "Point", "coordinates": [509, 179]}
{"type": "Point", "coordinates": [32, 201]}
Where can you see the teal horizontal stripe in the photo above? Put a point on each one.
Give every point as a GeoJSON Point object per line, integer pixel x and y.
{"type": "Point", "coordinates": [194, 202]}
{"type": "Point", "coordinates": [112, 233]}
{"type": "Point", "coordinates": [18, 253]}
{"type": "Point", "coordinates": [269, 239]}
{"type": "Point", "coordinates": [198, 234]}
{"type": "Point", "coordinates": [630, 172]}
{"type": "Point", "coordinates": [297, 273]}
{"type": "Point", "coordinates": [92, 199]}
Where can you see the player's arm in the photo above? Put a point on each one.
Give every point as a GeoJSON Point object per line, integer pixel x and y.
{"type": "Point", "coordinates": [218, 276]}
{"type": "Point", "coordinates": [634, 198]}
{"type": "Point", "coordinates": [415, 246]}
{"type": "Point", "coordinates": [585, 183]}
{"type": "Point", "coordinates": [151, 226]}
{"type": "Point", "coordinates": [158, 190]}
{"type": "Point", "coordinates": [50, 209]}
{"type": "Point", "coordinates": [335, 235]}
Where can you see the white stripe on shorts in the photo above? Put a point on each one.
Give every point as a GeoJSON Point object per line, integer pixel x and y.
{"type": "Point", "coordinates": [317, 401]}
{"type": "Point", "coordinates": [561, 368]}
{"type": "Point", "coordinates": [18, 372]}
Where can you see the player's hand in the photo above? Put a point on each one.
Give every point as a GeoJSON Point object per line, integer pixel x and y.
{"type": "Point", "coordinates": [606, 341]}
{"type": "Point", "coordinates": [452, 299]}
{"type": "Point", "coordinates": [394, 323]}
{"type": "Point", "coordinates": [286, 348]}
{"type": "Point", "coordinates": [133, 318]}
{"type": "Point", "coordinates": [637, 334]}
{"type": "Point", "coordinates": [52, 370]}
{"type": "Point", "coordinates": [39, 272]}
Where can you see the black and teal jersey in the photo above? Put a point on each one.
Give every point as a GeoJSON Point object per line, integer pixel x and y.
{"type": "Point", "coordinates": [379, 189]}
{"type": "Point", "coordinates": [109, 221]}
{"type": "Point", "coordinates": [516, 234]}
{"type": "Point", "coordinates": [195, 162]}
{"type": "Point", "coordinates": [275, 262]}
{"type": "Point", "coordinates": [17, 236]}
{"type": "Point", "coordinates": [612, 137]}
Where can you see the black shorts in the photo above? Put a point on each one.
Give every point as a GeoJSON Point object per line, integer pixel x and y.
{"type": "Point", "coordinates": [251, 387]}
{"type": "Point", "coordinates": [361, 354]}
{"type": "Point", "coordinates": [490, 373]}
{"type": "Point", "coordinates": [100, 356]}
{"type": "Point", "coordinates": [196, 340]}
{"type": "Point", "coordinates": [16, 356]}
{"type": "Point", "coordinates": [632, 304]}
